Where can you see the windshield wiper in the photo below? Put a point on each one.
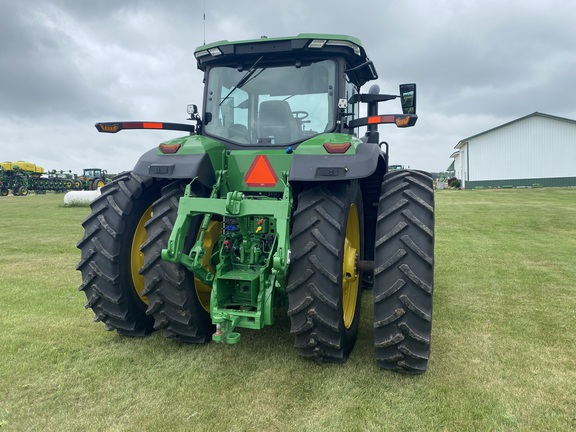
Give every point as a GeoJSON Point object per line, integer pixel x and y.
{"type": "Point", "coordinates": [243, 80]}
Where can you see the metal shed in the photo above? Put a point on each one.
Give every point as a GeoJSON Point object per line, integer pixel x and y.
{"type": "Point", "coordinates": [538, 149]}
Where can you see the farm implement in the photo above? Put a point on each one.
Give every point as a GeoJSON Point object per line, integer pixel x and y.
{"type": "Point", "coordinates": [24, 177]}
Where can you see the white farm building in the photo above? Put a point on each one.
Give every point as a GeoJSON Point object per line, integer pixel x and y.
{"type": "Point", "coordinates": [538, 149]}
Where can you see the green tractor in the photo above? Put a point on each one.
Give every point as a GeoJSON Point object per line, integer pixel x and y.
{"type": "Point", "coordinates": [92, 179]}
{"type": "Point", "coordinates": [271, 201]}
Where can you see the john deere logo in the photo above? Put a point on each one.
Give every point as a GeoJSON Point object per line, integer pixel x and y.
{"type": "Point", "coordinates": [109, 128]}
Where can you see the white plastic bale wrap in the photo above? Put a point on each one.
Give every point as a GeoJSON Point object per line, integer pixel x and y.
{"type": "Point", "coordinates": [81, 197]}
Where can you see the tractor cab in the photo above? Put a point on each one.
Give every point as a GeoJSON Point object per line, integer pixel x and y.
{"type": "Point", "coordinates": [92, 172]}
{"type": "Point", "coordinates": [283, 91]}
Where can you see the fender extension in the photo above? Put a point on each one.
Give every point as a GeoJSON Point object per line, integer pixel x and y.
{"type": "Point", "coordinates": [336, 167]}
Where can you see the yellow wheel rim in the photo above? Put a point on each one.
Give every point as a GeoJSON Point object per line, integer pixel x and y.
{"type": "Point", "coordinates": [350, 278]}
{"type": "Point", "coordinates": [136, 256]}
{"type": "Point", "coordinates": [100, 183]}
{"type": "Point", "coordinates": [210, 240]}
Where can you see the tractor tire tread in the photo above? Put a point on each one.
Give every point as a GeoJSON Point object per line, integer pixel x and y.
{"type": "Point", "coordinates": [314, 282]}
{"type": "Point", "coordinates": [404, 272]}
{"type": "Point", "coordinates": [169, 287]}
{"type": "Point", "coordinates": [103, 270]}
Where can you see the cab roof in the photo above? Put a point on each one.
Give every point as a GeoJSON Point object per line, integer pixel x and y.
{"type": "Point", "coordinates": [302, 47]}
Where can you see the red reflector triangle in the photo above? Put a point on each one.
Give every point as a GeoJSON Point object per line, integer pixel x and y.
{"type": "Point", "coordinates": [261, 173]}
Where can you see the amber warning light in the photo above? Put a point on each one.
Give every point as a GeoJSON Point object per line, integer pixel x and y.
{"type": "Point", "coordinates": [113, 127]}
{"type": "Point", "coordinates": [400, 120]}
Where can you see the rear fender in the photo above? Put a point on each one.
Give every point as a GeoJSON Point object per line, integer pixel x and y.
{"type": "Point", "coordinates": [185, 166]}
{"type": "Point", "coordinates": [324, 167]}
{"type": "Point", "coordinates": [369, 165]}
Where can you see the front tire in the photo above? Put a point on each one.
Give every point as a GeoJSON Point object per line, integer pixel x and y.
{"type": "Point", "coordinates": [111, 255]}
{"type": "Point", "coordinates": [323, 283]}
{"type": "Point", "coordinates": [404, 272]}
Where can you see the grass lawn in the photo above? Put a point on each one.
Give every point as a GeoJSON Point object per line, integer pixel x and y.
{"type": "Point", "coordinates": [503, 347]}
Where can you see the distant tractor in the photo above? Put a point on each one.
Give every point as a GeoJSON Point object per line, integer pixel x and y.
{"type": "Point", "coordinates": [93, 178]}
{"type": "Point", "coordinates": [272, 201]}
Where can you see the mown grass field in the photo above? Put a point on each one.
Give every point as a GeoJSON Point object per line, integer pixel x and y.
{"type": "Point", "coordinates": [503, 348]}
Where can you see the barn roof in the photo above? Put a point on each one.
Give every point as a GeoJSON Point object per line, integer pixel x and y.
{"type": "Point", "coordinates": [534, 114]}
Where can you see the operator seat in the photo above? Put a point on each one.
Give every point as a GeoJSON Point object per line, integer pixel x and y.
{"type": "Point", "coordinates": [276, 121]}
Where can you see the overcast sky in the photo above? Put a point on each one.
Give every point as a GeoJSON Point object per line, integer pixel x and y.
{"type": "Point", "coordinates": [66, 64]}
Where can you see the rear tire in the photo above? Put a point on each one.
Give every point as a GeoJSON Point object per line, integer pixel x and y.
{"type": "Point", "coordinates": [170, 287]}
{"type": "Point", "coordinates": [404, 272]}
{"type": "Point", "coordinates": [323, 307]}
{"type": "Point", "coordinates": [111, 258]}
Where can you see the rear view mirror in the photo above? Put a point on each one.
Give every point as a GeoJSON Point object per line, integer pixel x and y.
{"type": "Point", "coordinates": [408, 98]}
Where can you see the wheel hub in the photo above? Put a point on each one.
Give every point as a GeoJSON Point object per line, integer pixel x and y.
{"type": "Point", "coordinates": [350, 259]}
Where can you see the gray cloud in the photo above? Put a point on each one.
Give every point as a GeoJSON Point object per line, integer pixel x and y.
{"type": "Point", "coordinates": [69, 63]}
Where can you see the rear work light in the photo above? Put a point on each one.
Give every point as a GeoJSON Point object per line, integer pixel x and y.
{"type": "Point", "coordinates": [354, 47]}
{"type": "Point", "coordinates": [319, 43]}
{"type": "Point", "coordinates": [214, 52]}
